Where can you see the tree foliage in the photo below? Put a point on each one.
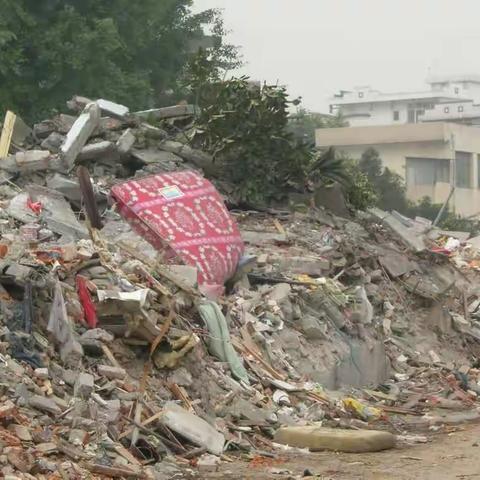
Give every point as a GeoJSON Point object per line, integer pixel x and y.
{"type": "Point", "coordinates": [303, 123]}
{"type": "Point", "coordinates": [128, 51]}
{"type": "Point", "coordinates": [389, 186]}
{"type": "Point", "coordinates": [244, 125]}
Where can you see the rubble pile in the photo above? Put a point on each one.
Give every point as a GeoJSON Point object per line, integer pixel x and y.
{"type": "Point", "coordinates": [127, 358]}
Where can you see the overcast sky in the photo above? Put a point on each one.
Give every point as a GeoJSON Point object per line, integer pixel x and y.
{"type": "Point", "coordinates": [317, 47]}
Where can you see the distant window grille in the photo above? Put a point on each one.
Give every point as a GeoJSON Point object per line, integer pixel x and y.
{"type": "Point", "coordinates": [460, 108]}
{"type": "Point", "coordinates": [427, 171]}
{"type": "Point", "coordinates": [396, 116]}
{"type": "Point", "coordinates": [457, 90]}
{"type": "Point", "coordinates": [462, 169]}
{"type": "Point", "coordinates": [411, 116]}
{"type": "Point", "coordinates": [446, 109]}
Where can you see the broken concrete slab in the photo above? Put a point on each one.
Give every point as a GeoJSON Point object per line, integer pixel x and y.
{"type": "Point", "coordinates": [78, 103]}
{"type": "Point", "coordinates": [321, 438]}
{"type": "Point", "coordinates": [113, 109]}
{"type": "Point", "coordinates": [151, 156]}
{"type": "Point", "coordinates": [84, 385]}
{"type": "Point", "coordinates": [112, 373]}
{"type": "Point", "coordinates": [200, 159]}
{"type": "Point", "coordinates": [53, 142]}
{"type": "Point", "coordinates": [126, 142]}
{"type": "Point", "coordinates": [167, 112]}
{"type": "Point", "coordinates": [44, 404]}
{"type": "Point", "coordinates": [57, 213]}
{"type": "Point", "coordinates": [187, 273]}
{"type": "Point", "coordinates": [33, 160]}
{"type": "Point", "coordinates": [193, 428]}
{"type": "Point", "coordinates": [395, 263]}
{"type": "Point", "coordinates": [79, 134]}
{"type": "Point", "coordinates": [262, 238]}
{"type": "Point", "coordinates": [408, 236]}
{"type": "Point", "coordinates": [95, 151]}
{"type": "Point", "coordinates": [313, 266]}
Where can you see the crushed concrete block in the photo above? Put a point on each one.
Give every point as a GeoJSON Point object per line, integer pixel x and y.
{"type": "Point", "coordinates": [208, 463]}
{"type": "Point", "coordinates": [78, 437]}
{"type": "Point", "coordinates": [57, 213]}
{"type": "Point", "coordinates": [95, 151]}
{"type": "Point", "coordinates": [193, 428]}
{"type": "Point", "coordinates": [313, 266]}
{"type": "Point", "coordinates": [7, 409]}
{"type": "Point", "coordinates": [53, 142]}
{"type": "Point", "coordinates": [22, 432]}
{"type": "Point", "coordinates": [44, 404]}
{"type": "Point", "coordinates": [182, 377]}
{"type": "Point", "coordinates": [408, 236]}
{"type": "Point", "coordinates": [70, 377]}
{"type": "Point", "coordinates": [167, 112]}
{"type": "Point", "coordinates": [113, 109]}
{"type": "Point", "coordinates": [79, 134]}
{"type": "Point", "coordinates": [33, 160]}
{"type": "Point", "coordinates": [98, 334]}
{"type": "Point", "coordinates": [313, 328]}
{"type": "Point", "coordinates": [84, 385]}
{"type": "Point", "coordinates": [395, 263]}
{"type": "Point", "coordinates": [112, 373]}
{"type": "Point", "coordinates": [41, 373]}
{"type": "Point", "coordinates": [187, 273]}
{"type": "Point", "coordinates": [126, 142]}
{"type": "Point", "coordinates": [320, 438]}
{"type": "Point", "coordinates": [150, 156]}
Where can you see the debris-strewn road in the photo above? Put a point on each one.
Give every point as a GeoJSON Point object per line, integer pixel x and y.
{"type": "Point", "coordinates": [447, 457]}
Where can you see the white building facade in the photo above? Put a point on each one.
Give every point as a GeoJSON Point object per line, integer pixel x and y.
{"type": "Point", "coordinates": [449, 99]}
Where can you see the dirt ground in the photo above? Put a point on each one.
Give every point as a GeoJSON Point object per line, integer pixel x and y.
{"type": "Point", "coordinates": [447, 456]}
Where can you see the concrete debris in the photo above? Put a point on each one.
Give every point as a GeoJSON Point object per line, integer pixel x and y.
{"type": "Point", "coordinates": [79, 134]}
{"type": "Point", "coordinates": [194, 428]}
{"type": "Point", "coordinates": [126, 142]}
{"type": "Point", "coordinates": [167, 112]}
{"type": "Point", "coordinates": [138, 334]}
{"type": "Point", "coordinates": [96, 151]}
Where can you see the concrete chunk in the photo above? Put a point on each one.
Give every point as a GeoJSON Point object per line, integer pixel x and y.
{"type": "Point", "coordinates": [84, 385]}
{"type": "Point", "coordinates": [79, 134]}
{"type": "Point", "coordinates": [113, 109]}
{"type": "Point", "coordinates": [313, 266]}
{"type": "Point", "coordinates": [126, 142]}
{"type": "Point", "coordinates": [95, 151]}
{"type": "Point", "coordinates": [112, 373]}
{"type": "Point", "coordinates": [33, 160]}
{"type": "Point", "coordinates": [53, 142]}
{"type": "Point", "coordinates": [319, 438]}
{"type": "Point", "coordinates": [409, 237]}
{"type": "Point", "coordinates": [167, 112]}
{"type": "Point", "coordinates": [193, 428]}
{"type": "Point", "coordinates": [44, 404]}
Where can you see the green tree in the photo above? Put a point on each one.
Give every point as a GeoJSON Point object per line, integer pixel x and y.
{"type": "Point", "coordinates": [389, 186]}
{"type": "Point", "coordinates": [303, 123]}
{"type": "Point", "coordinates": [128, 51]}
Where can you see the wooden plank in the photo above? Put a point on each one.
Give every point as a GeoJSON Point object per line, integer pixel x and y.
{"type": "Point", "coordinates": [7, 132]}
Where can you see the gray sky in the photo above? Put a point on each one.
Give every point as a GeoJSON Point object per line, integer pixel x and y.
{"type": "Point", "coordinates": [317, 47]}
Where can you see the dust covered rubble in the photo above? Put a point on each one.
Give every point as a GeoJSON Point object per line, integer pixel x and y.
{"type": "Point", "coordinates": [116, 365]}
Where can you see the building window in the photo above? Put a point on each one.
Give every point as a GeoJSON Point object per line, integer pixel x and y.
{"type": "Point", "coordinates": [446, 109]}
{"type": "Point", "coordinates": [411, 116]}
{"type": "Point", "coordinates": [396, 115]}
{"type": "Point", "coordinates": [427, 171]}
{"type": "Point", "coordinates": [457, 90]}
{"type": "Point", "coordinates": [460, 108]}
{"type": "Point", "coordinates": [360, 94]}
{"type": "Point", "coordinates": [463, 170]}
